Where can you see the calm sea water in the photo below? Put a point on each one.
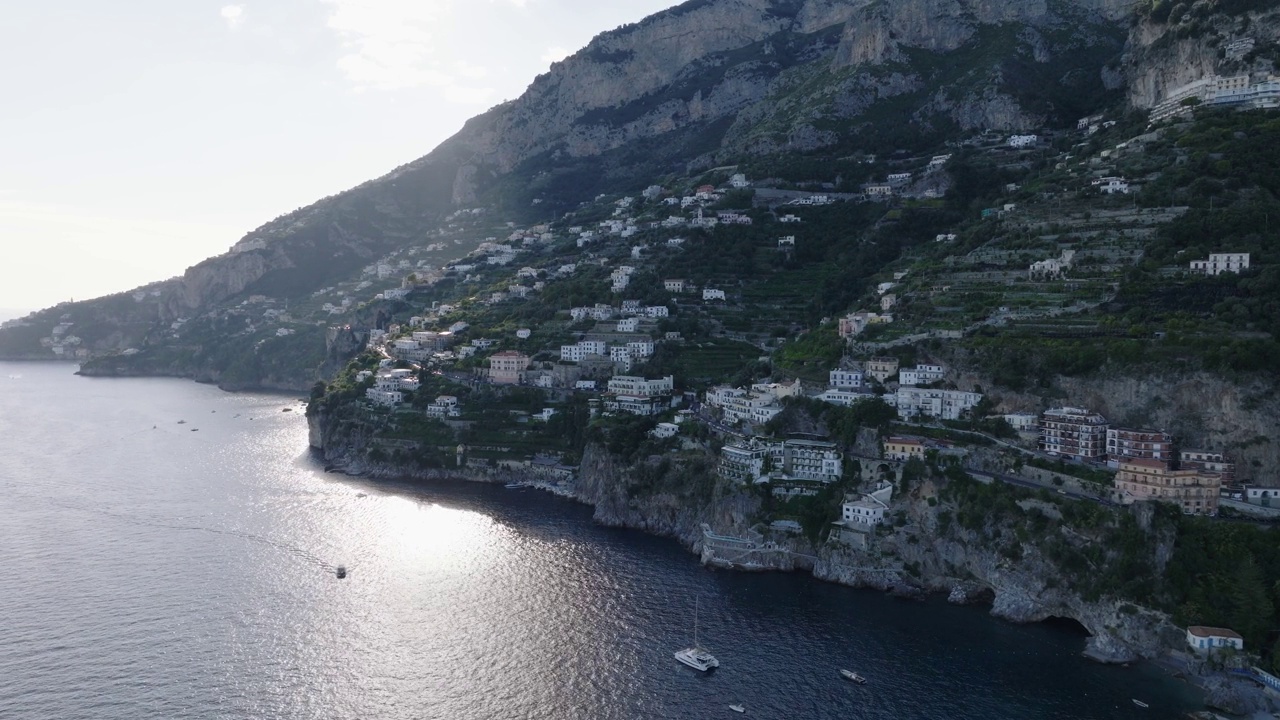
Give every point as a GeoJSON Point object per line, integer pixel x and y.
{"type": "Point", "coordinates": [164, 570]}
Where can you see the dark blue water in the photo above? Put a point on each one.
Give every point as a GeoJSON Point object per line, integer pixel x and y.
{"type": "Point", "coordinates": [165, 570]}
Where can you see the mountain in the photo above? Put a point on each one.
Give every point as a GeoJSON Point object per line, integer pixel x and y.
{"type": "Point", "coordinates": [795, 89]}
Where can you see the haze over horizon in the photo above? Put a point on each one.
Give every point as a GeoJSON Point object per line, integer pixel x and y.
{"type": "Point", "coordinates": [144, 138]}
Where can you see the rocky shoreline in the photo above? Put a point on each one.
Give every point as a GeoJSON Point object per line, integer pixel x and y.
{"type": "Point", "coordinates": [1119, 632]}
{"type": "Point", "coordinates": [1020, 592]}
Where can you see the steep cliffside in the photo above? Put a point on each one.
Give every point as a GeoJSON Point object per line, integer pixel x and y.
{"type": "Point", "coordinates": [1237, 416]}
{"type": "Point", "coordinates": [706, 82]}
{"type": "Point", "coordinates": [1168, 51]}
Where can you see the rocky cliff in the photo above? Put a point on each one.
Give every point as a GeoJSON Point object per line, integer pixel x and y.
{"type": "Point", "coordinates": [1169, 50]}
{"type": "Point", "coordinates": [922, 551]}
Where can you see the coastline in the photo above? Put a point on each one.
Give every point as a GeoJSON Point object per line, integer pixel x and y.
{"type": "Point", "coordinates": [691, 530]}
{"type": "Point", "coordinates": [1233, 695]}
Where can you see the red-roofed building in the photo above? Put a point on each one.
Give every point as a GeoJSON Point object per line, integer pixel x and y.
{"type": "Point", "coordinates": [1205, 639]}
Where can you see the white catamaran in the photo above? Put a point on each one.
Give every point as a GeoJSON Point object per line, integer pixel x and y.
{"type": "Point", "coordinates": [695, 656]}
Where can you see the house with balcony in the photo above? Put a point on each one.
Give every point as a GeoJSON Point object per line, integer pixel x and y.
{"type": "Point", "coordinates": [915, 402]}
{"type": "Point", "coordinates": [1208, 461]}
{"type": "Point", "coordinates": [1074, 432]}
{"type": "Point", "coordinates": [1196, 492]}
{"type": "Point", "coordinates": [882, 368]}
{"type": "Point", "coordinates": [921, 374]}
{"type": "Point", "coordinates": [1123, 443]}
{"type": "Point", "coordinates": [1219, 263]}
{"type": "Point", "coordinates": [781, 461]}
{"type": "Point", "coordinates": [845, 379]}
{"type": "Point", "coordinates": [738, 404]}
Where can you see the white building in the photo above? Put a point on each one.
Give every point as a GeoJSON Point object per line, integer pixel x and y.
{"type": "Point", "coordinates": [581, 349]}
{"type": "Point", "coordinates": [843, 398]}
{"type": "Point", "coordinates": [444, 406]}
{"type": "Point", "coordinates": [665, 430]}
{"type": "Point", "coordinates": [897, 179]}
{"type": "Point", "coordinates": [870, 509]}
{"type": "Point", "coordinates": [1022, 141]}
{"type": "Point", "coordinates": [1219, 263]}
{"type": "Point", "coordinates": [628, 325]}
{"type": "Point", "coordinates": [743, 405]}
{"type": "Point", "coordinates": [1023, 422]}
{"type": "Point", "coordinates": [385, 390]}
{"type": "Point", "coordinates": [808, 460]}
{"type": "Point", "coordinates": [641, 348]}
{"type": "Point", "coordinates": [845, 379]}
{"type": "Point", "coordinates": [921, 374]}
{"type": "Point", "coordinates": [638, 386]}
{"type": "Point", "coordinates": [621, 357]}
{"type": "Point", "coordinates": [1203, 639]}
{"type": "Point", "coordinates": [712, 294]}
{"type": "Point", "coordinates": [912, 402]}
{"type": "Point", "coordinates": [1112, 185]}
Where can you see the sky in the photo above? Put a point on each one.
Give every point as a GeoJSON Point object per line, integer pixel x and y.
{"type": "Point", "coordinates": [139, 138]}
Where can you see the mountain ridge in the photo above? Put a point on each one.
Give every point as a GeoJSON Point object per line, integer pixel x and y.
{"type": "Point", "coordinates": [704, 84]}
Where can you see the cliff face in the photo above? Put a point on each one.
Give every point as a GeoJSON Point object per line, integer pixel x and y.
{"type": "Point", "coordinates": [1163, 55]}
{"type": "Point", "coordinates": [742, 42]}
{"type": "Point", "coordinates": [1204, 411]}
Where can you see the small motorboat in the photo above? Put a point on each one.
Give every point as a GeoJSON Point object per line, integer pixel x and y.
{"type": "Point", "coordinates": [737, 708]}
{"type": "Point", "coordinates": [853, 676]}
{"type": "Point", "coordinates": [515, 486]}
{"type": "Point", "coordinates": [1139, 703]}
{"type": "Point", "coordinates": [341, 572]}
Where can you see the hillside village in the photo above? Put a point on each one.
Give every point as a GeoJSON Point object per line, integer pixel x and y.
{"type": "Point", "coordinates": [602, 352]}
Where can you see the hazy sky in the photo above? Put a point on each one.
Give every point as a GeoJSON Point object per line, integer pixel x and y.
{"type": "Point", "coordinates": [139, 138]}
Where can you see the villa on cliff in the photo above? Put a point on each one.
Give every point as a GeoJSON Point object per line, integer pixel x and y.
{"type": "Point", "coordinates": [1204, 639]}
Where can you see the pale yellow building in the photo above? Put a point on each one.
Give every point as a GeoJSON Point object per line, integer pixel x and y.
{"type": "Point", "coordinates": [882, 368]}
{"type": "Point", "coordinates": [902, 448]}
{"type": "Point", "coordinates": [1195, 491]}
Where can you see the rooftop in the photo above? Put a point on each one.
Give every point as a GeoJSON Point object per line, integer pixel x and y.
{"type": "Point", "coordinates": [1147, 463]}
{"type": "Point", "coordinates": [1205, 631]}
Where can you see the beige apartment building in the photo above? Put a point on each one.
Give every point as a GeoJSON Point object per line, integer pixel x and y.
{"type": "Point", "coordinates": [1195, 491]}
{"type": "Point", "coordinates": [507, 368]}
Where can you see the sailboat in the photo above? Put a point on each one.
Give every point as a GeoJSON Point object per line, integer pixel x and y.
{"type": "Point", "coordinates": [695, 656]}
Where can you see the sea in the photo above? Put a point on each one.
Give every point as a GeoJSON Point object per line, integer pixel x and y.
{"type": "Point", "coordinates": [169, 551]}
